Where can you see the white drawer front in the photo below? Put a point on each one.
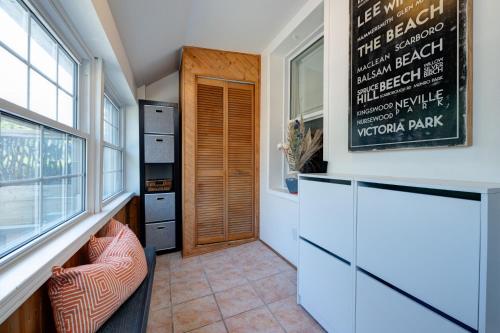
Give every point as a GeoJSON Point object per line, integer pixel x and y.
{"type": "Point", "coordinates": [379, 309]}
{"type": "Point", "coordinates": [326, 216]}
{"type": "Point", "coordinates": [325, 288]}
{"type": "Point", "coordinates": [426, 245]}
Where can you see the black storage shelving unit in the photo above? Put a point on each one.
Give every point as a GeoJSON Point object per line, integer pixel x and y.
{"type": "Point", "coordinates": [160, 157]}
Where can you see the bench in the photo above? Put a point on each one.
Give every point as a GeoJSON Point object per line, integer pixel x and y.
{"type": "Point", "coordinates": [132, 316]}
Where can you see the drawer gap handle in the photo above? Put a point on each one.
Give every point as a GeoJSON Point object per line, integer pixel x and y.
{"type": "Point", "coordinates": [159, 111]}
{"type": "Point", "coordinates": [160, 198]}
{"type": "Point", "coordinates": [159, 140]}
{"type": "Point", "coordinates": [159, 228]}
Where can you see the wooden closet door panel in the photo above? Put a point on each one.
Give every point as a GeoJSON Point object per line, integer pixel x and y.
{"type": "Point", "coordinates": [210, 173]}
{"type": "Point", "coordinates": [240, 161]}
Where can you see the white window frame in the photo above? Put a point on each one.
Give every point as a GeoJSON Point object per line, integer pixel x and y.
{"type": "Point", "coordinates": [307, 42]}
{"type": "Point", "coordinates": [108, 95]}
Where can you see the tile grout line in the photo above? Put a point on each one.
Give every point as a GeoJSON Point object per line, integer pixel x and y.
{"type": "Point", "coordinates": [215, 299]}
{"type": "Point", "coordinates": [170, 295]}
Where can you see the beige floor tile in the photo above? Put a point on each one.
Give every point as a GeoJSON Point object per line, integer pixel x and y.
{"type": "Point", "coordinates": [217, 327]}
{"type": "Point", "coordinates": [160, 321]}
{"type": "Point", "coordinates": [291, 274]}
{"type": "Point", "coordinates": [226, 278]}
{"type": "Point", "coordinates": [237, 300]}
{"type": "Point", "coordinates": [217, 263]}
{"type": "Point", "coordinates": [282, 265]}
{"type": "Point", "coordinates": [189, 289]}
{"type": "Point", "coordinates": [212, 255]}
{"type": "Point", "coordinates": [160, 297]}
{"type": "Point", "coordinates": [178, 262]}
{"type": "Point", "coordinates": [258, 270]}
{"type": "Point", "coordinates": [162, 275]}
{"type": "Point", "coordinates": [293, 317]}
{"type": "Point", "coordinates": [274, 288]}
{"type": "Point", "coordinates": [163, 260]}
{"type": "Point", "coordinates": [186, 273]}
{"type": "Point", "coordinates": [258, 320]}
{"type": "Point", "coordinates": [195, 314]}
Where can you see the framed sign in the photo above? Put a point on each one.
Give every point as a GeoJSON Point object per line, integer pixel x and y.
{"type": "Point", "coordinates": [410, 74]}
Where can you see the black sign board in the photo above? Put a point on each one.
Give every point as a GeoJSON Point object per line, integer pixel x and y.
{"type": "Point", "coordinates": [410, 74]}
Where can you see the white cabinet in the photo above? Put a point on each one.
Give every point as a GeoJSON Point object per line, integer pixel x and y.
{"type": "Point", "coordinates": [379, 309]}
{"type": "Point", "coordinates": [382, 254]}
{"type": "Point", "coordinates": [325, 288]}
{"type": "Point", "coordinates": [332, 228]}
{"type": "Point", "coordinates": [428, 245]}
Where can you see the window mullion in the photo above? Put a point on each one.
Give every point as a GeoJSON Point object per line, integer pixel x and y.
{"type": "Point", "coordinates": [40, 188]}
{"type": "Point", "coordinates": [28, 63]}
{"type": "Point", "coordinates": [57, 83]}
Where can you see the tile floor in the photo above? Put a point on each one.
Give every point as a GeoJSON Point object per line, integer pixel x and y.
{"type": "Point", "coordinates": [242, 289]}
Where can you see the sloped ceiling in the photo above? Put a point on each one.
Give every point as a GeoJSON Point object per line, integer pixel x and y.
{"type": "Point", "coordinates": [153, 31]}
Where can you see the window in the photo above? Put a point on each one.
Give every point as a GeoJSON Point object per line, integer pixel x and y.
{"type": "Point", "coordinates": [306, 86]}
{"type": "Point", "coordinates": [36, 72]}
{"type": "Point", "coordinates": [112, 151]}
{"type": "Point", "coordinates": [306, 96]}
{"type": "Point", "coordinates": [41, 180]}
{"type": "Point", "coordinates": [42, 168]}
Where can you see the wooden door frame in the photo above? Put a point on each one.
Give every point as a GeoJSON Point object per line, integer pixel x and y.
{"type": "Point", "coordinates": [224, 65]}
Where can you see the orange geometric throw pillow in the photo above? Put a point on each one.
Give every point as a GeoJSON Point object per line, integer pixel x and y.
{"type": "Point", "coordinates": [96, 246]}
{"type": "Point", "coordinates": [113, 228]}
{"type": "Point", "coordinates": [84, 297]}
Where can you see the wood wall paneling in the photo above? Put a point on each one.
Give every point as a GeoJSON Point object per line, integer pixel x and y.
{"type": "Point", "coordinates": [203, 224]}
{"type": "Point", "coordinates": [35, 314]}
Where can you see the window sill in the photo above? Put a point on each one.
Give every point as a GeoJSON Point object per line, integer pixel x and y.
{"type": "Point", "coordinates": [22, 276]}
{"type": "Point", "coordinates": [283, 193]}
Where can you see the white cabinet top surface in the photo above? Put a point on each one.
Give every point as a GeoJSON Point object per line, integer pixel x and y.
{"type": "Point", "coordinates": [440, 184]}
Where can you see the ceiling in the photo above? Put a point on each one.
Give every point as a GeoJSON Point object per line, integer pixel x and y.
{"type": "Point", "coordinates": [153, 31]}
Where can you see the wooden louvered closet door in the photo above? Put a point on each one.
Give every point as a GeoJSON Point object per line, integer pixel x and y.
{"type": "Point", "coordinates": [224, 161]}
{"type": "Point", "coordinates": [209, 196]}
{"type": "Point", "coordinates": [240, 161]}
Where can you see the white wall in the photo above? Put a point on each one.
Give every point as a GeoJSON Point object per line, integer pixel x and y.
{"type": "Point", "coordinates": [165, 89]}
{"type": "Point", "coordinates": [481, 161]}
{"type": "Point", "coordinates": [279, 210]}
{"type": "Point", "coordinates": [132, 171]}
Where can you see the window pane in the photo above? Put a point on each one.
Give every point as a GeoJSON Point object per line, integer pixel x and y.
{"type": "Point", "coordinates": [19, 218]}
{"type": "Point", "coordinates": [307, 81]}
{"type": "Point", "coordinates": [75, 156]}
{"type": "Point", "coordinates": [65, 109]}
{"type": "Point", "coordinates": [66, 72]}
{"type": "Point", "coordinates": [52, 202]}
{"type": "Point", "coordinates": [112, 172]}
{"type": "Point", "coordinates": [13, 79]}
{"type": "Point", "coordinates": [30, 208]}
{"type": "Point", "coordinates": [43, 51]}
{"type": "Point", "coordinates": [54, 150]}
{"type": "Point", "coordinates": [111, 123]}
{"type": "Point", "coordinates": [19, 149]}
{"type": "Point", "coordinates": [14, 27]}
{"type": "Point", "coordinates": [42, 95]}
{"type": "Point", "coordinates": [74, 196]}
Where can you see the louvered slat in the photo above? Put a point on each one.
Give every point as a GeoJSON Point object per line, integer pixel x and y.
{"type": "Point", "coordinates": [240, 159]}
{"type": "Point", "coordinates": [210, 200]}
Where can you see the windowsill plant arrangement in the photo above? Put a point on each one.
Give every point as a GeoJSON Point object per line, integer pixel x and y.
{"type": "Point", "coordinates": [299, 148]}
